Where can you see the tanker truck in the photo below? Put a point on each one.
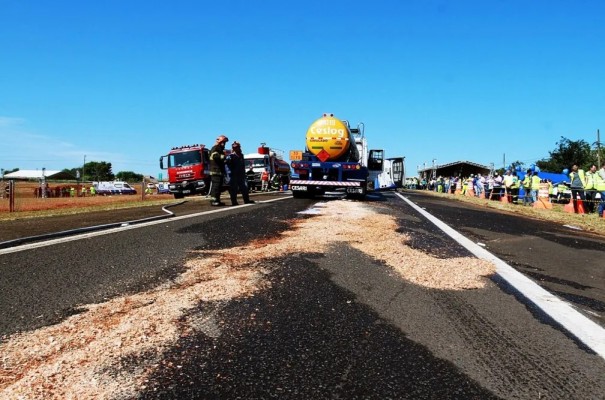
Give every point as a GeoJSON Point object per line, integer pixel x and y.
{"type": "Point", "coordinates": [267, 159]}
{"type": "Point", "coordinates": [336, 158]}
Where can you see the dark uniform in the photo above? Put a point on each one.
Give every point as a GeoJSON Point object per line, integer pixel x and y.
{"type": "Point", "coordinates": [238, 179]}
{"type": "Point", "coordinates": [217, 169]}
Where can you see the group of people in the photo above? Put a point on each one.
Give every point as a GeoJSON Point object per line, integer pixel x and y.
{"type": "Point", "coordinates": [44, 190]}
{"type": "Point", "coordinates": [589, 187]}
{"type": "Point", "coordinates": [586, 185]}
{"type": "Point", "coordinates": [219, 160]}
{"type": "Point", "coordinates": [269, 182]}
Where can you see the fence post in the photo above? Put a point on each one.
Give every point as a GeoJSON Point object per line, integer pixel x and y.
{"type": "Point", "coordinates": [11, 195]}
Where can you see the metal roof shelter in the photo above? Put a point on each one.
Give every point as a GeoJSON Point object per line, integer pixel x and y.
{"type": "Point", "coordinates": [37, 174]}
{"type": "Point", "coordinates": [457, 168]}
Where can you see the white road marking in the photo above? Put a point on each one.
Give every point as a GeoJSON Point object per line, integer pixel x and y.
{"type": "Point", "coordinates": [122, 228]}
{"type": "Point", "coordinates": [584, 329]}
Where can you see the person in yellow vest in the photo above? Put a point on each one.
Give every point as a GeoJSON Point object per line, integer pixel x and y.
{"type": "Point", "coordinates": [526, 183]}
{"type": "Point", "coordinates": [470, 186]}
{"type": "Point", "coordinates": [93, 191]}
{"type": "Point", "coordinates": [600, 186]}
{"type": "Point", "coordinates": [578, 181]}
{"type": "Point", "coordinates": [535, 186]}
{"type": "Point", "coordinates": [561, 191]}
{"type": "Point", "coordinates": [72, 192]}
{"type": "Point", "coordinates": [551, 190]}
{"type": "Point", "coordinates": [507, 182]}
{"type": "Point", "coordinates": [83, 191]}
{"type": "Point", "coordinates": [589, 189]}
{"type": "Point", "coordinates": [514, 188]}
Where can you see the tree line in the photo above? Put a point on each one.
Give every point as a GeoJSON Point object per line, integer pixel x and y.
{"type": "Point", "coordinates": [96, 171]}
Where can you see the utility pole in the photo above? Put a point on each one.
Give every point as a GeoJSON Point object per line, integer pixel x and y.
{"type": "Point", "coordinates": [43, 184]}
{"type": "Point", "coordinates": [599, 149]}
{"type": "Point", "coordinates": [83, 166]}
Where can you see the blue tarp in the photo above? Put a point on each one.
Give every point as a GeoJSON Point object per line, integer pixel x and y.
{"type": "Point", "coordinates": [554, 177]}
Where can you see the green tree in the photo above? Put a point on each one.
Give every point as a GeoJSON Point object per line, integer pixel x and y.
{"type": "Point", "coordinates": [567, 153]}
{"type": "Point", "coordinates": [95, 171]}
{"type": "Point", "coordinates": [517, 165]}
{"type": "Point", "coordinates": [129, 176]}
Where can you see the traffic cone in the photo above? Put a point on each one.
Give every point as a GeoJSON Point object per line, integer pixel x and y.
{"type": "Point", "coordinates": [570, 208]}
{"type": "Point", "coordinates": [581, 207]}
{"type": "Point", "coordinates": [504, 198]}
{"type": "Point", "coordinates": [545, 204]}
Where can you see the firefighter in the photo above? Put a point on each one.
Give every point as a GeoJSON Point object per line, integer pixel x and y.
{"type": "Point", "coordinates": [217, 169]}
{"type": "Point", "coordinates": [237, 170]}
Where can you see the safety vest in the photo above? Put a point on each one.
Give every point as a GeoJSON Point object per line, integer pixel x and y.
{"type": "Point", "coordinates": [589, 183]}
{"type": "Point", "coordinates": [264, 176]}
{"type": "Point", "coordinates": [526, 182]}
{"type": "Point", "coordinates": [582, 177]}
{"type": "Point", "coordinates": [599, 183]}
{"type": "Point", "coordinates": [535, 182]}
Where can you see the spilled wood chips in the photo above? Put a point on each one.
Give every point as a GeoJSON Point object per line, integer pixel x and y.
{"type": "Point", "coordinates": [83, 357]}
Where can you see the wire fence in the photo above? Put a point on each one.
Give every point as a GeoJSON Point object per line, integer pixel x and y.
{"type": "Point", "coordinates": [23, 196]}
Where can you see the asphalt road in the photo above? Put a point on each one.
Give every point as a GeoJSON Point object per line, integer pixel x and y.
{"type": "Point", "coordinates": [338, 324]}
{"type": "Point", "coordinates": [566, 262]}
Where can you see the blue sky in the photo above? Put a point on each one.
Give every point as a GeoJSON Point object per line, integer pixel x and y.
{"type": "Point", "coordinates": [124, 81]}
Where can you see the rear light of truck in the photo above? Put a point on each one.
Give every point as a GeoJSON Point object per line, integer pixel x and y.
{"type": "Point", "coordinates": [351, 166]}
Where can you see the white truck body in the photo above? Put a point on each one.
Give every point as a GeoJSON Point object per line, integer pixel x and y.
{"type": "Point", "coordinates": [113, 187]}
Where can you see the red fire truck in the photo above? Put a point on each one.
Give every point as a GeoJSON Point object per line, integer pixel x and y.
{"type": "Point", "coordinates": [188, 170]}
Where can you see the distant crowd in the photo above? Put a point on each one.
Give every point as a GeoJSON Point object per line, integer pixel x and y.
{"type": "Point", "coordinates": [585, 189]}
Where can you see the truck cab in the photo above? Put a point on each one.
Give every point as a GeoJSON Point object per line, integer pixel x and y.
{"type": "Point", "coordinates": [187, 170]}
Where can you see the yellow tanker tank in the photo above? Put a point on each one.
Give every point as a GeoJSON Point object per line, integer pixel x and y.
{"type": "Point", "coordinates": [329, 138]}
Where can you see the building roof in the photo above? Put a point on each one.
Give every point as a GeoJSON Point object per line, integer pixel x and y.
{"type": "Point", "coordinates": [458, 168]}
{"type": "Point", "coordinates": [37, 174]}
